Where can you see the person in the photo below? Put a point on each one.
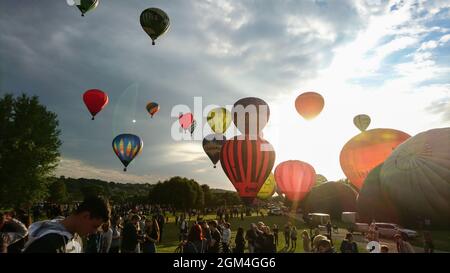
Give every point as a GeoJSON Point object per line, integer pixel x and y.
{"type": "Point", "coordinates": [403, 246]}
{"type": "Point", "coordinates": [206, 232]}
{"type": "Point", "coordinates": [194, 242]}
{"type": "Point", "coordinates": [151, 236]}
{"type": "Point", "coordinates": [215, 244]}
{"type": "Point", "coordinates": [428, 245]}
{"type": "Point", "coordinates": [329, 227]}
{"type": "Point", "coordinates": [13, 232]}
{"type": "Point", "coordinates": [275, 233]}
{"type": "Point", "coordinates": [306, 241]}
{"type": "Point", "coordinates": [239, 241]}
{"type": "Point", "coordinates": [251, 236]}
{"type": "Point", "coordinates": [130, 235]}
{"type": "Point", "coordinates": [183, 228]}
{"type": "Point", "coordinates": [384, 249]}
{"type": "Point", "coordinates": [269, 241]}
{"type": "Point", "coordinates": [4, 242]}
{"type": "Point", "coordinates": [116, 230]}
{"type": "Point", "coordinates": [226, 238]}
{"type": "Point", "coordinates": [316, 241]}
{"type": "Point", "coordinates": [294, 238]}
{"type": "Point", "coordinates": [63, 235]}
{"type": "Point", "coordinates": [287, 234]}
{"type": "Point", "coordinates": [316, 233]}
{"type": "Point", "coordinates": [161, 222]}
{"type": "Point", "coordinates": [324, 246]}
{"type": "Point", "coordinates": [105, 238]}
{"type": "Point", "coordinates": [348, 245]}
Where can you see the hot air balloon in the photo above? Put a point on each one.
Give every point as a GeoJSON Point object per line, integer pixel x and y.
{"type": "Point", "coordinates": [320, 179]}
{"type": "Point", "coordinates": [416, 176]}
{"type": "Point", "coordinates": [192, 127]}
{"type": "Point", "coordinates": [268, 188]}
{"type": "Point", "coordinates": [295, 178]}
{"type": "Point", "coordinates": [250, 115]}
{"type": "Point", "coordinates": [186, 120]}
{"type": "Point", "coordinates": [309, 105]}
{"type": "Point", "coordinates": [332, 198]}
{"type": "Point", "coordinates": [86, 5]}
{"type": "Point", "coordinates": [361, 122]}
{"type": "Point", "coordinates": [152, 108]}
{"type": "Point", "coordinates": [212, 145]}
{"type": "Point", "coordinates": [372, 202]}
{"type": "Point", "coordinates": [155, 23]}
{"type": "Point", "coordinates": [127, 147]}
{"type": "Point", "coordinates": [247, 164]}
{"type": "Point", "coordinates": [95, 101]}
{"type": "Point", "coordinates": [219, 119]}
{"type": "Point", "coordinates": [366, 150]}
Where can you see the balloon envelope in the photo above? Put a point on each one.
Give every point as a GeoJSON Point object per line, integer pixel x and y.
{"type": "Point", "coordinates": [212, 145]}
{"type": "Point", "coordinates": [332, 198]}
{"type": "Point", "coordinates": [250, 115]}
{"type": "Point", "coordinates": [320, 179]}
{"type": "Point", "coordinates": [155, 22]}
{"type": "Point", "coordinates": [87, 5]}
{"type": "Point", "coordinates": [361, 122]}
{"type": "Point", "coordinates": [366, 150]}
{"type": "Point", "coordinates": [152, 108]}
{"type": "Point", "coordinates": [309, 104]}
{"type": "Point", "coordinates": [295, 178]}
{"type": "Point", "coordinates": [127, 147]}
{"type": "Point", "coordinates": [95, 101]}
{"type": "Point", "coordinates": [416, 177]}
{"type": "Point", "coordinates": [268, 188]}
{"type": "Point", "coordinates": [219, 119]}
{"type": "Point", "coordinates": [247, 164]}
{"type": "Point", "coordinates": [186, 120]}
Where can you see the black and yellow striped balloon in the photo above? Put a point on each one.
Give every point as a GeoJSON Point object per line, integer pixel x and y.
{"type": "Point", "coordinates": [219, 119]}
{"type": "Point", "coordinates": [155, 22]}
{"type": "Point", "coordinates": [87, 5]}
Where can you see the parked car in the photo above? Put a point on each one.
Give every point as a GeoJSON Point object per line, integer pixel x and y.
{"type": "Point", "coordinates": [362, 228]}
{"type": "Point", "coordinates": [275, 211]}
{"type": "Point", "coordinates": [388, 230]}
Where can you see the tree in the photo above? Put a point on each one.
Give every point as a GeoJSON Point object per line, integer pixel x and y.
{"type": "Point", "coordinates": [58, 192]}
{"type": "Point", "coordinates": [29, 141]}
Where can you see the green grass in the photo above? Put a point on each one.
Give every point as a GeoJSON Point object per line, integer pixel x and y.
{"type": "Point", "coordinates": [171, 232]}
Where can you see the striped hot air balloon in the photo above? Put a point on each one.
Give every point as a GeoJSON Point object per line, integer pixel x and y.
{"type": "Point", "coordinates": [127, 147]}
{"type": "Point", "coordinates": [152, 108]}
{"type": "Point", "coordinates": [247, 164]}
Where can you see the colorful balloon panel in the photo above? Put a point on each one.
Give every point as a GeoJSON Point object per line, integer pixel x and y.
{"type": "Point", "coordinates": [309, 105]}
{"type": "Point", "coordinates": [250, 116]}
{"type": "Point", "coordinates": [247, 164]}
{"type": "Point", "coordinates": [155, 22]}
{"type": "Point", "coordinates": [295, 178]}
{"type": "Point", "coordinates": [212, 145]}
{"type": "Point", "coordinates": [416, 177]}
{"type": "Point", "coordinates": [87, 5]}
{"type": "Point", "coordinates": [268, 188]}
{"type": "Point", "coordinates": [366, 150]}
{"type": "Point", "coordinates": [361, 122]}
{"type": "Point", "coordinates": [95, 100]}
{"type": "Point", "coordinates": [152, 108]}
{"type": "Point", "coordinates": [127, 147]}
{"type": "Point", "coordinates": [219, 119]}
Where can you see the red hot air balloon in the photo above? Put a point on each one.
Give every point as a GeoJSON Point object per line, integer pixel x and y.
{"type": "Point", "coordinates": [186, 120]}
{"type": "Point", "coordinates": [247, 163]}
{"type": "Point", "coordinates": [309, 105]}
{"type": "Point", "coordinates": [95, 101]}
{"type": "Point", "coordinates": [295, 178]}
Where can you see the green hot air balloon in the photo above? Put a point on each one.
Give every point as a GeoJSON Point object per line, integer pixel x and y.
{"type": "Point", "coordinates": [361, 122]}
{"type": "Point", "coordinates": [155, 23]}
{"type": "Point", "coordinates": [86, 5]}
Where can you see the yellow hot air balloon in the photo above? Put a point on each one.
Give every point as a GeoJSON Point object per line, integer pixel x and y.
{"type": "Point", "coordinates": [219, 119]}
{"type": "Point", "coordinates": [361, 122]}
{"type": "Point", "coordinates": [268, 188]}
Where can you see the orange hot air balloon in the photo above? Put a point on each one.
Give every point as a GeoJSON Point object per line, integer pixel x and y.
{"type": "Point", "coordinates": [309, 105]}
{"type": "Point", "coordinates": [295, 178]}
{"type": "Point", "coordinates": [367, 150]}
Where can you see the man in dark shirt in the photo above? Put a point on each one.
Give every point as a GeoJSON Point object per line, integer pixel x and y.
{"type": "Point", "coordinates": [215, 245]}
{"type": "Point", "coordinates": [130, 235]}
{"type": "Point", "coordinates": [62, 235]}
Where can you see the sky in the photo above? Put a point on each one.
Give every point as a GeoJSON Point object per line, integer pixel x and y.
{"type": "Point", "coordinates": [387, 59]}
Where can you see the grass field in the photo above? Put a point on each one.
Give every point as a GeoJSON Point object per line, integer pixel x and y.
{"type": "Point", "coordinates": [171, 232]}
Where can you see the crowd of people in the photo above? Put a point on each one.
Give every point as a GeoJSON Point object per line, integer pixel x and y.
{"type": "Point", "coordinates": [94, 226]}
